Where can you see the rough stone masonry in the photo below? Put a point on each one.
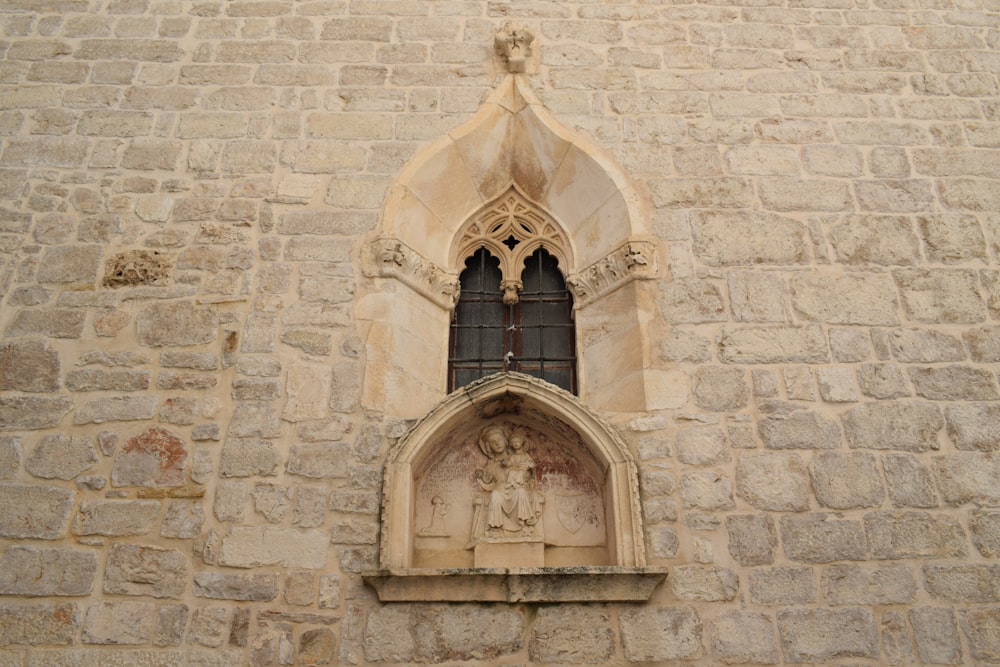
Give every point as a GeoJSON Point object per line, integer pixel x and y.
{"type": "Point", "coordinates": [189, 474]}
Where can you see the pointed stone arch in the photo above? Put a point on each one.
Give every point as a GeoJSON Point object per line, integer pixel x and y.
{"type": "Point", "coordinates": [511, 145]}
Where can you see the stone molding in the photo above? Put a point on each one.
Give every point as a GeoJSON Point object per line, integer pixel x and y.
{"type": "Point", "coordinates": [634, 260]}
{"type": "Point", "coordinates": [391, 258]}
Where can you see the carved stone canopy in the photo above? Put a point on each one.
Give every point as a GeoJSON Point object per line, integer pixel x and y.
{"type": "Point", "coordinates": [512, 485]}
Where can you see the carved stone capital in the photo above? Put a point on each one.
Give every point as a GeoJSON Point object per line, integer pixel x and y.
{"type": "Point", "coordinates": [514, 46]}
{"type": "Point", "coordinates": [634, 260]}
{"type": "Point", "coordinates": [391, 258]}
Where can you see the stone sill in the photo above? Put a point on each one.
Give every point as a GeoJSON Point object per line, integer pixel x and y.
{"type": "Point", "coordinates": [555, 584]}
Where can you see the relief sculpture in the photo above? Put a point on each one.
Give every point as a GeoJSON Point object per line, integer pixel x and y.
{"type": "Point", "coordinates": [511, 507]}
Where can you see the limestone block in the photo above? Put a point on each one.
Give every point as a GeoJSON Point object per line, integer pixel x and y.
{"type": "Point", "coordinates": [707, 490]}
{"type": "Point", "coordinates": [774, 481]}
{"type": "Point", "coordinates": [845, 299]}
{"type": "Point", "coordinates": [29, 365]}
{"type": "Point", "coordinates": [119, 623]}
{"type": "Point", "coordinates": [230, 499]}
{"type": "Point", "coordinates": [740, 238]}
{"type": "Point", "coordinates": [817, 538]}
{"type": "Point", "coordinates": [253, 419]}
{"type": "Point", "coordinates": [271, 501]}
{"type": "Point", "coordinates": [116, 517]}
{"type": "Point", "coordinates": [968, 477]}
{"type": "Point", "coordinates": [952, 238]}
{"type": "Point", "coordinates": [181, 410]}
{"type": "Point", "coordinates": [38, 624]}
{"type": "Point", "coordinates": [183, 519]}
{"type": "Point", "coordinates": [209, 627]}
{"type": "Point", "coordinates": [145, 570]}
{"type": "Point", "coordinates": [974, 426]}
{"type": "Point", "coordinates": [699, 582]}
{"type": "Point", "coordinates": [821, 635]}
{"type": "Point", "coordinates": [10, 456]}
{"type": "Point", "coordinates": [925, 346]}
{"type": "Point", "coordinates": [985, 528]}
{"type": "Point", "coordinates": [175, 323]}
{"type": "Point", "coordinates": [752, 538]}
{"type": "Point", "coordinates": [910, 482]}
{"type": "Point", "coordinates": [720, 389]}
{"type": "Point", "coordinates": [319, 461]}
{"type": "Point", "coordinates": [247, 546]}
{"type": "Point", "coordinates": [34, 571]}
{"type": "Point", "coordinates": [702, 446]}
{"type": "Point", "coordinates": [571, 634]}
{"type": "Point", "coordinates": [940, 295]}
{"type": "Point", "coordinates": [914, 535]}
{"type": "Point", "coordinates": [936, 635]}
{"type": "Point", "coordinates": [200, 361]}
{"type": "Point", "coordinates": [329, 591]}
{"type": "Point", "coordinates": [954, 383]}
{"type": "Point", "coordinates": [782, 586]}
{"type": "Point", "coordinates": [692, 301]}
{"type": "Point", "coordinates": [33, 511]}
{"type": "Point", "coordinates": [92, 379]}
{"type": "Point", "coordinates": [790, 426]}
{"type": "Point", "coordinates": [240, 587]}
{"type": "Point", "coordinates": [662, 541]}
{"type": "Point", "coordinates": [857, 585]}
{"type": "Point", "coordinates": [963, 583]}
{"type": "Point", "coordinates": [792, 194]}
{"type": "Point", "coordinates": [883, 381]}
{"type": "Point", "coordinates": [899, 425]}
{"type": "Point", "coordinates": [758, 296]}
{"type": "Point", "coordinates": [773, 344]}
{"type": "Point", "coordinates": [979, 625]}
{"type": "Point", "coordinates": [984, 344]}
{"type": "Point", "coordinates": [436, 633]}
{"type": "Point", "coordinates": [47, 322]}
{"type": "Point", "coordinates": [744, 637]}
{"type": "Point", "coordinates": [661, 634]}
{"type": "Point", "coordinates": [836, 385]}
{"type": "Point", "coordinates": [846, 480]}
{"type": "Point", "coordinates": [115, 408]}
{"type": "Point", "coordinates": [154, 458]}
{"type": "Point", "coordinates": [60, 457]}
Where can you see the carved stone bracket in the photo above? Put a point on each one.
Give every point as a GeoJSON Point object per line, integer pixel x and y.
{"type": "Point", "coordinates": [391, 258]}
{"type": "Point", "coordinates": [514, 46]}
{"type": "Point", "coordinates": [634, 260]}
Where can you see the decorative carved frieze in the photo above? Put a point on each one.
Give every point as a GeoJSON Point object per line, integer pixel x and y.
{"type": "Point", "coordinates": [634, 260]}
{"type": "Point", "coordinates": [391, 258]}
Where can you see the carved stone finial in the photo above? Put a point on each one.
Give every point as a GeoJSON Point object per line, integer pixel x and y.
{"type": "Point", "coordinates": [514, 45]}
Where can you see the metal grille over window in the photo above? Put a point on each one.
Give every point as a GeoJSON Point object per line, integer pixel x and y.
{"type": "Point", "coordinates": [534, 335]}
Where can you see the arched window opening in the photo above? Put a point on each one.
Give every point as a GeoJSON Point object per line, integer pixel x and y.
{"type": "Point", "coordinates": [532, 334]}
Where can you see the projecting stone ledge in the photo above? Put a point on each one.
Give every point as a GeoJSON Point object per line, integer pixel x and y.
{"type": "Point", "coordinates": [559, 584]}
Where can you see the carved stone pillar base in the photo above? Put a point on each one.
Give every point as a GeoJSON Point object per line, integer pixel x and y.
{"type": "Point", "coordinates": [502, 554]}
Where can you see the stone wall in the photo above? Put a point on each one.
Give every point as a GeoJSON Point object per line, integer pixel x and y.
{"type": "Point", "coordinates": [187, 473]}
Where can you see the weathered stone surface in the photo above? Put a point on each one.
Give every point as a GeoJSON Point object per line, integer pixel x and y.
{"type": "Point", "coordinates": [817, 538]}
{"type": "Point", "coordinates": [247, 457]}
{"type": "Point", "coordinates": [300, 588]}
{"type": "Point", "coordinates": [48, 322]}
{"type": "Point", "coordinates": [752, 538]}
{"type": "Point", "coordinates": [940, 295]}
{"type": "Point", "coordinates": [699, 582]}
{"type": "Point", "coordinates": [145, 570]}
{"type": "Point", "coordinates": [857, 585]}
{"type": "Point", "coordinates": [936, 635]}
{"type": "Point", "coordinates": [240, 587]}
{"type": "Point", "coordinates": [93, 379]}
{"type": "Point", "coordinates": [968, 477]}
{"type": "Point", "coordinates": [29, 365]}
{"type": "Point", "coordinates": [943, 383]}
{"type": "Point", "coordinates": [116, 517]}
{"type": "Point", "coordinates": [38, 624]}
{"type": "Point", "coordinates": [247, 546]}
{"type": "Point", "coordinates": [985, 528]}
{"type": "Point", "coordinates": [209, 627]}
{"type": "Point", "coordinates": [925, 346]}
{"type": "Point", "coordinates": [910, 482]}
{"type": "Point", "coordinates": [70, 264]}
{"type": "Point", "coordinates": [974, 426]}
{"type": "Point", "coordinates": [984, 344]}
{"type": "Point", "coordinates": [872, 239]}
{"type": "Point", "coordinates": [692, 301]}
{"type": "Point", "coordinates": [36, 571]}
{"type": "Point", "coordinates": [963, 583]}
{"type": "Point", "coordinates": [61, 457]}
{"type": "Point", "coordinates": [782, 586]}
{"type": "Point", "coordinates": [154, 458]}
{"type": "Point", "coordinates": [980, 625]}
{"type": "Point", "coordinates": [820, 635]}
{"type": "Point", "coordinates": [661, 634]}
{"type": "Point", "coordinates": [883, 381]}
{"type": "Point", "coordinates": [791, 426]}
{"type": "Point", "coordinates": [773, 481]}
{"type": "Point", "coordinates": [744, 637]}
{"type": "Point", "coordinates": [183, 519]}
{"type": "Point", "coordinates": [272, 502]}
{"type": "Point", "coordinates": [741, 238]}
{"type": "Point", "coordinates": [846, 480]}
{"type": "Point", "coordinates": [901, 425]}
{"type": "Point", "coordinates": [119, 623]}
{"type": "Point", "coordinates": [33, 511]}
{"type": "Point", "coordinates": [175, 323]}
{"type": "Point", "coordinates": [319, 461]}
{"type": "Point", "coordinates": [845, 299]}
{"type": "Point", "coordinates": [10, 456]}
{"type": "Point", "coordinates": [914, 535]}
{"type": "Point", "coordinates": [19, 413]}
{"type": "Point", "coordinates": [436, 633]}
{"type": "Point", "coordinates": [571, 634]}
{"type": "Point", "coordinates": [702, 446]}
{"type": "Point", "coordinates": [707, 490]}
{"type": "Point", "coordinates": [720, 389]}
{"type": "Point", "coordinates": [773, 344]}
{"type": "Point", "coordinates": [115, 409]}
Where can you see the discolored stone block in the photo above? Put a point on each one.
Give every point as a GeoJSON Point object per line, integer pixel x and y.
{"type": "Point", "coordinates": [115, 518]}
{"type": "Point", "coordinates": [744, 637]}
{"type": "Point", "coordinates": [883, 381]}
{"type": "Point", "coordinates": [899, 425]}
{"type": "Point", "coordinates": [909, 481]}
{"type": "Point", "coordinates": [699, 582]}
{"type": "Point", "coordinates": [785, 425]}
{"type": "Point", "coordinates": [980, 626]}
{"type": "Point", "coordinates": [61, 457]}
{"type": "Point", "coordinates": [702, 446]}
{"type": "Point", "coordinates": [974, 426]}
{"type": "Point", "coordinates": [175, 323]}
{"type": "Point", "coordinates": [692, 301]}
{"type": "Point", "coordinates": [145, 570]}
{"type": "Point", "coordinates": [940, 295]}
{"type": "Point", "coordinates": [752, 538]}
{"type": "Point", "coordinates": [963, 583]}
{"type": "Point", "coordinates": [29, 365]}
{"type": "Point", "coordinates": [115, 408]}
{"type": "Point", "coordinates": [773, 481]}
{"type": "Point", "coordinates": [660, 634]}
{"type": "Point", "coordinates": [854, 584]}
{"type": "Point", "coordinates": [846, 480]}
{"type": "Point", "coordinates": [39, 624]}
{"type": "Point", "coordinates": [246, 457]}
{"type": "Point", "coordinates": [154, 458]}
{"type": "Point", "coordinates": [571, 634]}
{"type": "Point", "coordinates": [319, 461]}
{"type": "Point", "coordinates": [821, 635]}
{"type": "Point", "coordinates": [950, 383]}
{"type": "Point", "coordinates": [34, 571]}
{"type": "Point", "coordinates": [48, 322]}
{"type": "Point", "coordinates": [817, 538]}
{"type": "Point", "coordinates": [914, 535]}
{"type": "Point", "coordinates": [70, 264]}
{"type": "Point", "coordinates": [707, 490]}
{"type": "Point", "coordinates": [968, 477]}
{"type": "Point", "coordinates": [248, 546]}
{"type": "Point", "coordinates": [183, 519]}
{"type": "Point", "coordinates": [936, 635]}
{"type": "Point", "coordinates": [34, 511]}
{"type": "Point", "coordinates": [720, 389]}
{"type": "Point", "coordinates": [119, 623]}
{"type": "Point", "coordinates": [241, 587]}
{"type": "Point", "coordinates": [782, 586]}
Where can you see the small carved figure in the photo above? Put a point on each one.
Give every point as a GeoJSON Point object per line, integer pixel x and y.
{"type": "Point", "coordinates": [439, 510]}
{"type": "Point", "coordinates": [512, 506]}
{"type": "Point", "coordinates": [514, 44]}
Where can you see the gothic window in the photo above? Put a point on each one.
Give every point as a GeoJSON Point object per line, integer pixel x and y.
{"type": "Point", "coordinates": [524, 325]}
